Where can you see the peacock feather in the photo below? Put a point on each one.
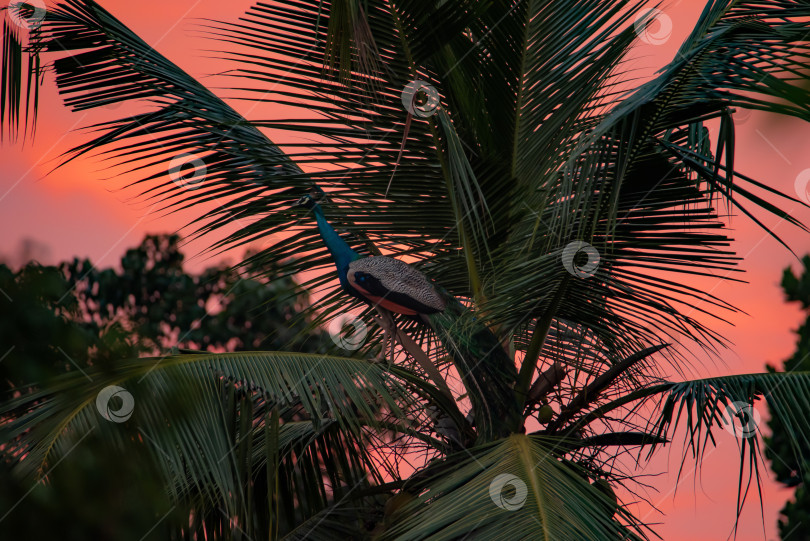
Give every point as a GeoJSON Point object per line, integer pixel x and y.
{"type": "Point", "coordinates": [397, 283]}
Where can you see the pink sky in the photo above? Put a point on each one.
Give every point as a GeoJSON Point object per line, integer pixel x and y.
{"type": "Point", "coordinates": [76, 213]}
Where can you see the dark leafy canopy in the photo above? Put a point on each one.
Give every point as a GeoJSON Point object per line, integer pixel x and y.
{"type": "Point", "coordinates": [507, 79]}
{"type": "Point", "coordinates": [791, 468]}
{"type": "Point", "coordinates": [63, 363]}
{"type": "Point", "coordinates": [40, 318]}
{"type": "Point", "coordinates": [154, 297]}
{"type": "Point", "coordinates": [42, 339]}
{"type": "Point", "coordinates": [522, 144]}
{"type": "Point", "coordinates": [76, 318]}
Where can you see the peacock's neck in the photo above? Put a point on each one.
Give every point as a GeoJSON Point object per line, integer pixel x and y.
{"type": "Point", "coordinates": [341, 252]}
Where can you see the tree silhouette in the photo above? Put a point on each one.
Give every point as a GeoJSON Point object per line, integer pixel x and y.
{"type": "Point", "coordinates": [75, 318]}
{"type": "Point", "coordinates": [792, 468]}
{"type": "Point", "coordinates": [487, 143]}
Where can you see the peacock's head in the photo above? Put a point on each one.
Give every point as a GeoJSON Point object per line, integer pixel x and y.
{"type": "Point", "coordinates": [315, 196]}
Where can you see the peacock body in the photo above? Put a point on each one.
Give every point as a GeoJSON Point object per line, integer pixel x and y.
{"type": "Point", "coordinates": [394, 286]}
{"type": "Point", "coordinates": [382, 281]}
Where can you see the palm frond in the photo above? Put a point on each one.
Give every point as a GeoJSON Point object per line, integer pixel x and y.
{"type": "Point", "coordinates": [707, 408]}
{"type": "Point", "coordinates": [215, 423]}
{"type": "Point", "coordinates": [643, 185]}
{"type": "Point", "coordinates": [517, 488]}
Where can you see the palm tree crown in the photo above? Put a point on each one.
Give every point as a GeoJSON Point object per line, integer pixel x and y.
{"type": "Point", "coordinates": [493, 147]}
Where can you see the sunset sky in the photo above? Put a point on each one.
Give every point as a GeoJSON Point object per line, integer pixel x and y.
{"type": "Point", "coordinates": [75, 211]}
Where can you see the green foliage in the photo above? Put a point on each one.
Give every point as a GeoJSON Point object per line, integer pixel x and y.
{"type": "Point", "coordinates": [95, 494]}
{"type": "Point", "coordinates": [41, 333]}
{"type": "Point", "coordinates": [219, 309]}
{"type": "Point", "coordinates": [788, 462]}
{"type": "Point", "coordinates": [549, 497]}
{"type": "Point", "coordinates": [530, 148]}
{"type": "Point", "coordinates": [76, 323]}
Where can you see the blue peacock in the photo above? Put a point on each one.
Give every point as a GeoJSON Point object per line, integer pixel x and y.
{"type": "Point", "coordinates": [393, 286]}
{"type": "Point", "coordinates": [388, 284]}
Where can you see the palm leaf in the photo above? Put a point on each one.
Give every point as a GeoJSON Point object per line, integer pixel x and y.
{"type": "Point", "coordinates": [707, 406]}
{"type": "Point", "coordinates": [214, 423]}
{"type": "Point", "coordinates": [640, 187]}
{"type": "Point", "coordinates": [470, 497]}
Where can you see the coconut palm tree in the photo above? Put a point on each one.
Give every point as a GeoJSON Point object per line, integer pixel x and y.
{"type": "Point", "coordinates": [505, 150]}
